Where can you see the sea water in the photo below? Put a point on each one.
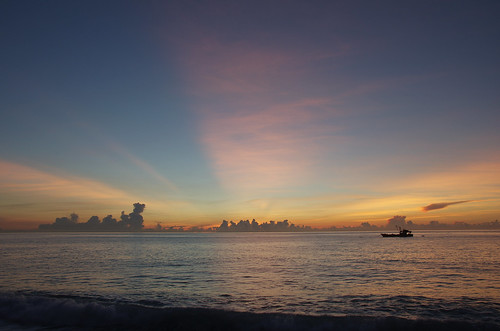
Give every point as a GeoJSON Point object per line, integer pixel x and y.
{"type": "Point", "coordinates": [311, 280]}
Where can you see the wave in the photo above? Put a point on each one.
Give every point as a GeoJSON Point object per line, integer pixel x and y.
{"type": "Point", "coordinates": [33, 312]}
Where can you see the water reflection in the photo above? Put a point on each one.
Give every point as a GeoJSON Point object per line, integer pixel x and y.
{"type": "Point", "coordinates": [293, 272]}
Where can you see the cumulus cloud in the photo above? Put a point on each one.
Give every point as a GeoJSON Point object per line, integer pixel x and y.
{"type": "Point", "coordinates": [254, 226]}
{"type": "Point", "coordinates": [128, 222]}
{"type": "Point", "coordinates": [396, 221]}
{"type": "Point", "coordinates": [442, 205]}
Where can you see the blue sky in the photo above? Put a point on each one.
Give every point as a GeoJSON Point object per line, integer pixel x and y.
{"type": "Point", "coordinates": [321, 112]}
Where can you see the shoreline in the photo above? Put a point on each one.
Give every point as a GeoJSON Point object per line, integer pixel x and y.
{"type": "Point", "coordinates": [59, 312]}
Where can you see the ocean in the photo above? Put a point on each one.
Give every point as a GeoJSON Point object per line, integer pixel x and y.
{"type": "Point", "coordinates": [250, 281]}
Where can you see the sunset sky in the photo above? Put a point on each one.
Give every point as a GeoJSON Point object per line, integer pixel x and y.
{"type": "Point", "coordinates": [320, 112]}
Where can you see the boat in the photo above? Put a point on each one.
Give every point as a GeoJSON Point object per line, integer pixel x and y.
{"type": "Point", "coordinates": [402, 233]}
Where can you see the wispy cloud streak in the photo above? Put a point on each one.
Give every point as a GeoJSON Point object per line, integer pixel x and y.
{"type": "Point", "coordinates": [146, 167]}
{"type": "Point", "coordinates": [441, 205]}
{"type": "Point", "coordinates": [27, 180]}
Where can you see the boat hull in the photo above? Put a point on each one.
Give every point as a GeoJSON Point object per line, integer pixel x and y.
{"type": "Point", "coordinates": [396, 235]}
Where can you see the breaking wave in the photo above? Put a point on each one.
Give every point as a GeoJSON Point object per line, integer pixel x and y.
{"type": "Point", "coordinates": [35, 312]}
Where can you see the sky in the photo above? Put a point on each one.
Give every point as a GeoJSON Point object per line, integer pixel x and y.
{"type": "Point", "coordinates": [325, 113]}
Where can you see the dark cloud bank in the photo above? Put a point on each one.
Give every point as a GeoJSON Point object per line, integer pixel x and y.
{"type": "Point", "coordinates": [135, 222]}
{"type": "Point", "coordinates": [254, 226]}
{"type": "Point", "coordinates": [400, 221]}
{"type": "Point", "coordinates": [131, 222]}
{"type": "Point", "coordinates": [392, 223]}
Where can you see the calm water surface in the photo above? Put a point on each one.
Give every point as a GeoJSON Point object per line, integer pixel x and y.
{"type": "Point", "coordinates": [434, 274]}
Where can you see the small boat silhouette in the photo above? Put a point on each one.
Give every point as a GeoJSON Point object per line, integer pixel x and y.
{"type": "Point", "coordinates": [402, 233]}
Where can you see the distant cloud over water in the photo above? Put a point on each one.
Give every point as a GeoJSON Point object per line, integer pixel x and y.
{"type": "Point", "coordinates": [442, 205]}
{"type": "Point", "coordinates": [131, 222]}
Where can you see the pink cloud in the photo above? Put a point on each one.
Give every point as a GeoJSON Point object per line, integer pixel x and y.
{"type": "Point", "coordinates": [243, 67]}
{"type": "Point", "coordinates": [270, 148]}
{"type": "Point", "coordinates": [256, 132]}
{"type": "Point", "coordinates": [214, 67]}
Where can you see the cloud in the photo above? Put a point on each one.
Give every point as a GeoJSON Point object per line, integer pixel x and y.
{"type": "Point", "coordinates": [259, 128]}
{"type": "Point", "coordinates": [131, 222]}
{"type": "Point", "coordinates": [30, 195]}
{"type": "Point", "coordinates": [268, 148]}
{"type": "Point", "coordinates": [476, 178]}
{"type": "Point", "coordinates": [119, 149]}
{"type": "Point", "coordinates": [442, 205]}
{"type": "Point", "coordinates": [396, 221]}
{"type": "Point", "coordinates": [214, 64]}
{"type": "Point", "coordinates": [28, 181]}
{"type": "Point", "coordinates": [254, 226]}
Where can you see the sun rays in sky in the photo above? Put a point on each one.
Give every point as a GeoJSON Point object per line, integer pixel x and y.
{"type": "Point", "coordinates": [321, 113]}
